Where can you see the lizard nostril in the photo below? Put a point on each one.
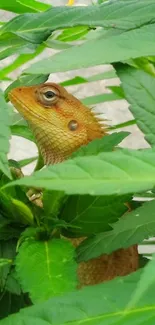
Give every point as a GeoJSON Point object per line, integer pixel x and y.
{"type": "Point", "coordinates": [73, 125]}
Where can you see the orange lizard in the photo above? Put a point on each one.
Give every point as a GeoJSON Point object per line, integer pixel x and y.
{"type": "Point", "coordinates": [62, 124]}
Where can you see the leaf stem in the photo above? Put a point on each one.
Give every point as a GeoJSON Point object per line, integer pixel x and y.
{"type": "Point", "coordinates": [40, 162]}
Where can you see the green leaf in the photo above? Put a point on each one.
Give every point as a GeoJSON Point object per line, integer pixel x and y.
{"type": "Point", "coordinates": [16, 210]}
{"type": "Point", "coordinates": [73, 34]}
{"type": "Point", "coordinates": [122, 125]}
{"type": "Point", "coordinates": [23, 211]}
{"type": "Point", "coordinates": [31, 233]}
{"type": "Point", "coordinates": [34, 5]}
{"type": "Point", "coordinates": [131, 229]}
{"type": "Point", "coordinates": [22, 6]}
{"type": "Point", "coordinates": [89, 215]}
{"type": "Point", "coordinates": [7, 251]}
{"type": "Point", "coordinates": [4, 136]}
{"type": "Point", "coordinates": [12, 284]}
{"type": "Point", "coordinates": [57, 45]}
{"type": "Point", "coordinates": [119, 172]}
{"type": "Point", "coordinates": [74, 81]}
{"type": "Point", "coordinates": [119, 14]}
{"type": "Point", "coordinates": [22, 131]}
{"type": "Point", "coordinates": [46, 269]}
{"type": "Point", "coordinates": [101, 98]}
{"type": "Point", "coordinates": [16, 118]}
{"type": "Point", "coordinates": [19, 61]}
{"type": "Point", "coordinates": [52, 202]}
{"type": "Point", "coordinates": [117, 90]}
{"type": "Point", "coordinates": [3, 221]}
{"type": "Point", "coordinates": [7, 79]}
{"type": "Point", "coordinates": [139, 90]}
{"type": "Point", "coordinates": [40, 162]}
{"type": "Point", "coordinates": [27, 161]}
{"type": "Point", "coordinates": [146, 281]}
{"type": "Point", "coordinates": [15, 170]}
{"type": "Point", "coordinates": [145, 65]}
{"type": "Point", "coordinates": [104, 75]}
{"type": "Point", "coordinates": [107, 143]}
{"type": "Point", "coordinates": [6, 52]}
{"type": "Point", "coordinates": [4, 261]}
{"type": "Point", "coordinates": [26, 81]}
{"type": "Point", "coordinates": [103, 50]}
{"type": "Point", "coordinates": [80, 80]}
{"type": "Point", "coordinates": [93, 305]}
{"type": "Point", "coordinates": [11, 303]}
{"type": "Point", "coordinates": [14, 192]}
{"type": "Point", "coordinates": [12, 44]}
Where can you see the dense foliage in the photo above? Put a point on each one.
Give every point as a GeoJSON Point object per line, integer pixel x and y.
{"type": "Point", "coordinates": [85, 195]}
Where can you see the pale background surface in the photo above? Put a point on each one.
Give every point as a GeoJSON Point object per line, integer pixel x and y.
{"type": "Point", "coordinates": [115, 112]}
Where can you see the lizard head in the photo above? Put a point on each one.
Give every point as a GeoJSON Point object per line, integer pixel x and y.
{"type": "Point", "coordinates": [60, 122]}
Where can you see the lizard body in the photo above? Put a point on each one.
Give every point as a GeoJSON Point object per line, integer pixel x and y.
{"type": "Point", "coordinates": [62, 124]}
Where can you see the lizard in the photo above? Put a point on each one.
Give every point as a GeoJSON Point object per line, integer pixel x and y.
{"type": "Point", "coordinates": [61, 124]}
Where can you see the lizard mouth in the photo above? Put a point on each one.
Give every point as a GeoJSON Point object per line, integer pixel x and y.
{"type": "Point", "coordinates": [22, 108]}
{"type": "Point", "coordinates": [26, 110]}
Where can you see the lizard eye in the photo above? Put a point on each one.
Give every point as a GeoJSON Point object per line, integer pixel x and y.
{"type": "Point", "coordinates": [73, 125]}
{"type": "Point", "coordinates": [49, 95]}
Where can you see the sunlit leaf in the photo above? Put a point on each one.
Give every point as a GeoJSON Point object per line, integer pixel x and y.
{"type": "Point", "coordinates": [119, 14]}
{"type": "Point", "coordinates": [73, 34]}
{"type": "Point", "coordinates": [33, 5]}
{"type": "Point", "coordinates": [21, 6]}
{"type": "Point", "coordinates": [120, 172]}
{"type": "Point", "coordinates": [57, 45]}
{"type": "Point", "coordinates": [95, 305]}
{"type": "Point", "coordinates": [146, 281]}
{"type": "Point", "coordinates": [15, 45]}
{"type": "Point", "coordinates": [46, 268]}
{"type": "Point", "coordinates": [19, 61]}
{"type": "Point", "coordinates": [23, 211]}
{"type": "Point", "coordinates": [103, 50]}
